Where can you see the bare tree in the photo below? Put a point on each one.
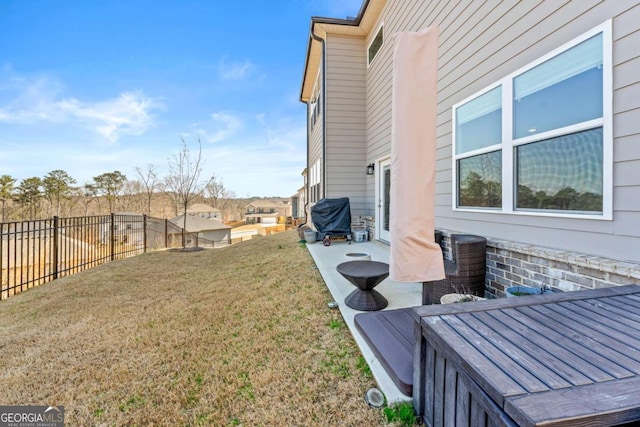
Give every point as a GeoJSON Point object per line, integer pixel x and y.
{"type": "Point", "coordinates": [131, 200]}
{"type": "Point", "coordinates": [149, 181]}
{"type": "Point", "coordinates": [184, 176]}
{"type": "Point", "coordinates": [219, 196]}
{"type": "Point", "coordinates": [166, 199]}
{"type": "Point", "coordinates": [214, 190]}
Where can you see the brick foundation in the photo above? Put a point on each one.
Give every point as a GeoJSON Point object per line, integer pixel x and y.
{"type": "Point", "coordinates": [511, 264]}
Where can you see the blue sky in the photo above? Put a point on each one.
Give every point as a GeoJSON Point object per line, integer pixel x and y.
{"type": "Point", "coordinates": [93, 86]}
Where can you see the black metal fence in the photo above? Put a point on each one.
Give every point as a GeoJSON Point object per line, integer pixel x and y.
{"type": "Point", "coordinates": [39, 251]}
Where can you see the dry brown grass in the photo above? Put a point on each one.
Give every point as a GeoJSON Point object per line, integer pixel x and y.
{"type": "Point", "coordinates": [236, 336]}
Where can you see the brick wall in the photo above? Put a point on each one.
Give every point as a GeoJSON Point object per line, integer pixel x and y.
{"type": "Point", "coordinates": [512, 264]}
{"type": "Point", "coordinates": [366, 222]}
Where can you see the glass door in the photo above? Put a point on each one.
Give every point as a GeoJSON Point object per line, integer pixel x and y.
{"type": "Point", "coordinates": [384, 192]}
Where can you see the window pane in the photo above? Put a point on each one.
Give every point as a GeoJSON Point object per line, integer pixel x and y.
{"type": "Point", "coordinates": [480, 180]}
{"type": "Point", "coordinates": [375, 46]}
{"type": "Point", "coordinates": [479, 122]}
{"type": "Point", "coordinates": [565, 90]}
{"type": "Point", "coordinates": [563, 173]}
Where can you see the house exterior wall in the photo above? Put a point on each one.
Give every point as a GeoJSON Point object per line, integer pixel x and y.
{"type": "Point", "coordinates": [219, 237]}
{"type": "Point", "coordinates": [315, 152]}
{"type": "Point", "coordinates": [481, 43]}
{"type": "Point", "coordinates": [346, 145]}
{"type": "Point", "coordinates": [379, 80]}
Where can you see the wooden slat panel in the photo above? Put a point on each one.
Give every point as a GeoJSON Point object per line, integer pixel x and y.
{"type": "Point", "coordinates": [603, 404]}
{"type": "Point", "coordinates": [628, 307]}
{"type": "Point", "coordinates": [420, 370]}
{"type": "Point", "coordinates": [531, 374]}
{"type": "Point", "coordinates": [497, 304]}
{"type": "Point", "coordinates": [428, 376]}
{"type": "Point", "coordinates": [539, 348]}
{"type": "Point", "coordinates": [491, 378]}
{"type": "Point", "coordinates": [463, 407]}
{"type": "Point", "coordinates": [478, 416]}
{"type": "Point", "coordinates": [587, 350]}
{"type": "Point", "coordinates": [620, 328]}
{"type": "Point", "coordinates": [450, 395]}
{"type": "Point", "coordinates": [581, 341]}
{"type": "Point", "coordinates": [439, 392]}
{"type": "Point", "coordinates": [607, 342]}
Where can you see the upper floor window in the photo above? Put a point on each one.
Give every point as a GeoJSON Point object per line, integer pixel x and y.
{"type": "Point", "coordinates": [540, 140]}
{"type": "Point", "coordinates": [376, 44]}
{"type": "Point", "coordinates": [315, 107]}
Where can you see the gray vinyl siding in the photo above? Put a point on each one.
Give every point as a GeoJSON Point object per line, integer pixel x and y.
{"type": "Point", "coordinates": [345, 115]}
{"type": "Point", "coordinates": [315, 147]}
{"type": "Point", "coordinates": [480, 43]}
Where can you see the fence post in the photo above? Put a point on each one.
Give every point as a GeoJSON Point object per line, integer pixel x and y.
{"type": "Point", "coordinates": [166, 233]}
{"type": "Point", "coordinates": [112, 237]}
{"type": "Point", "coordinates": [144, 226]}
{"type": "Point", "coordinates": [55, 247]}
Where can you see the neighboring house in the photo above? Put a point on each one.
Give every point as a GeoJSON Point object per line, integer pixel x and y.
{"type": "Point", "coordinates": [211, 229]}
{"type": "Point", "coordinates": [297, 204]}
{"type": "Point", "coordinates": [267, 211]}
{"type": "Point", "coordinates": [128, 227]}
{"type": "Point", "coordinates": [299, 200]}
{"type": "Point", "coordinates": [537, 137]}
{"type": "Point", "coordinates": [205, 211]}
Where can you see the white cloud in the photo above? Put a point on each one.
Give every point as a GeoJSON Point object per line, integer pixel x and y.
{"type": "Point", "coordinates": [130, 114]}
{"type": "Point", "coordinates": [30, 101]}
{"type": "Point", "coordinates": [221, 127]}
{"type": "Point", "coordinates": [234, 70]}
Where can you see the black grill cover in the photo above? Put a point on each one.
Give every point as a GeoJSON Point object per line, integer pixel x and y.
{"type": "Point", "coordinates": [332, 217]}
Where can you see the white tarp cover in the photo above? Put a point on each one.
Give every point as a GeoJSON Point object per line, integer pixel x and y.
{"type": "Point", "coordinates": [415, 257]}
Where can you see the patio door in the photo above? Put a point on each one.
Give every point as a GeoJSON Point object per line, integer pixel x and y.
{"type": "Point", "coordinates": [383, 193]}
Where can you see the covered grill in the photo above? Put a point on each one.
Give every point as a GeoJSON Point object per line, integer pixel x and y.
{"type": "Point", "coordinates": [332, 217]}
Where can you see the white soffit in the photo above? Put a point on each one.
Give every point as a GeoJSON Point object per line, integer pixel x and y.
{"type": "Point", "coordinates": [321, 29]}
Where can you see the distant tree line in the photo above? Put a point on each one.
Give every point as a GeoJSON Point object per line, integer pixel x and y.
{"type": "Point", "coordinates": [58, 193]}
{"type": "Point", "coordinates": [481, 192]}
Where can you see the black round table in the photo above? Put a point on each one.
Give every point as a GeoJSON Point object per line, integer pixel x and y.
{"type": "Point", "coordinates": [365, 275]}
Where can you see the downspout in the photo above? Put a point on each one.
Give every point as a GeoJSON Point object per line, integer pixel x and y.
{"type": "Point", "coordinates": [306, 184]}
{"type": "Point", "coordinates": [324, 113]}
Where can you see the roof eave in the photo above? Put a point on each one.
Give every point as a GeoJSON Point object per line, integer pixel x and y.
{"type": "Point", "coordinates": [319, 27]}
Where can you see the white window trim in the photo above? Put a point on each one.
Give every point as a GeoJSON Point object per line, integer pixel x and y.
{"type": "Point", "coordinates": [384, 40]}
{"type": "Point", "coordinates": [508, 142]}
{"type": "Point", "coordinates": [314, 116]}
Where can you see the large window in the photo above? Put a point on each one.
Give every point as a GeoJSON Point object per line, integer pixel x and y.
{"type": "Point", "coordinates": [539, 141]}
{"type": "Point", "coordinates": [478, 138]}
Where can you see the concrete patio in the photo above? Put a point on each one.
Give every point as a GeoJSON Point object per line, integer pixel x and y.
{"type": "Point", "coordinates": [399, 295]}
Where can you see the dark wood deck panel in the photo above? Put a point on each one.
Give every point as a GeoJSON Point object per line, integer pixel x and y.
{"type": "Point", "coordinates": [390, 335]}
{"type": "Point", "coordinates": [564, 359]}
